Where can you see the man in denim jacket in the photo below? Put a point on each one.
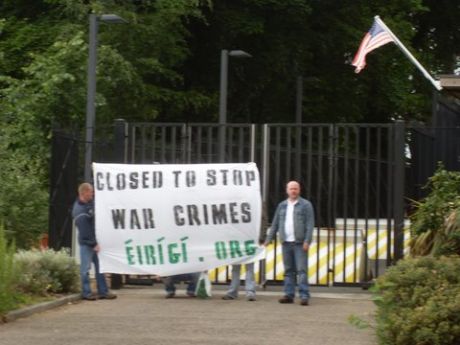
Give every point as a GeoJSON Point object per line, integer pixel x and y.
{"type": "Point", "coordinates": [294, 220]}
{"type": "Point", "coordinates": [83, 214]}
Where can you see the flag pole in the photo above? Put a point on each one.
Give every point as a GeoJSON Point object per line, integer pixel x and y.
{"type": "Point", "coordinates": [406, 52]}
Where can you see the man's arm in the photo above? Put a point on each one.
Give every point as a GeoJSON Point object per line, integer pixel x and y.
{"type": "Point", "coordinates": [309, 222]}
{"type": "Point", "coordinates": [274, 227]}
{"type": "Point", "coordinates": [263, 226]}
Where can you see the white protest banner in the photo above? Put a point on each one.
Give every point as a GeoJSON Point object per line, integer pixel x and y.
{"type": "Point", "coordinates": [173, 219]}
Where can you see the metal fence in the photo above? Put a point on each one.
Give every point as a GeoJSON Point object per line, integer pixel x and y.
{"type": "Point", "coordinates": [428, 147]}
{"type": "Point", "coordinates": [354, 174]}
{"type": "Point", "coordinates": [170, 143]}
{"type": "Point", "coordinates": [346, 170]}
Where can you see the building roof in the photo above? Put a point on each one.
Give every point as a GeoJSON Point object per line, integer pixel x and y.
{"type": "Point", "coordinates": [451, 84]}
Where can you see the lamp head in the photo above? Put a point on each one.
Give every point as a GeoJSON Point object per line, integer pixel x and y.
{"type": "Point", "coordinates": [112, 19]}
{"type": "Point", "coordinates": [239, 54]}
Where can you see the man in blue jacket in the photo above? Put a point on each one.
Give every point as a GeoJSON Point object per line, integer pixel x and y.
{"type": "Point", "coordinates": [294, 220]}
{"type": "Point", "coordinates": [83, 215]}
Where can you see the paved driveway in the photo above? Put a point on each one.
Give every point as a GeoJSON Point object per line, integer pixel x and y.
{"type": "Point", "coordinates": [142, 316]}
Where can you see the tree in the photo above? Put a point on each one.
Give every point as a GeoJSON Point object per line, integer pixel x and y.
{"type": "Point", "coordinates": [261, 89]}
{"type": "Point", "coordinates": [437, 36]}
{"type": "Point", "coordinates": [43, 85]}
{"type": "Point", "coordinates": [315, 39]}
{"type": "Point", "coordinates": [164, 65]}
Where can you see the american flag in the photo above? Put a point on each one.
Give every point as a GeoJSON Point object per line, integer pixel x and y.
{"type": "Point", "coordinates": [376, 37]}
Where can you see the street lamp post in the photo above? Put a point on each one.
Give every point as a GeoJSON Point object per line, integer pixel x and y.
{"type": "Point", "coordinates": [223, 95]}
{"type": "Point", "coordinates": [298, 100]}
{"type": "Point", "coordinates": [298, 120]}
{"type": "Point", "coordinates": [91, 88]}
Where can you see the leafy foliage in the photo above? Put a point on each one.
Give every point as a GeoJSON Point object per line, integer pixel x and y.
{"type": "Point", "coordinates": [448, 240]}
{"type": "Point", "coordinates": [26, 274]}
{"type": "Point", "coordinates": [23, 200]}
{"type": "Point", "coordinates": [43, 57]}
{"type": "Point", "coordinates": [419, 302]}
{"type": "Point", "coordinates": [429, 231]}
{"type": "Point", "coordinates": [44, 272]}
{"type": "Point", "coordinates": [8, 294]}
{"type": "Point", "coordinates": [164, 65]}
{"type": "Point", "coordinates": [438, 35]}
{"type": "Point", "coordinates": [317, 40]}
{"type": "Point", "coordinates": [165, 62]}
{"type": "Point", "coordinates": [359, 322]}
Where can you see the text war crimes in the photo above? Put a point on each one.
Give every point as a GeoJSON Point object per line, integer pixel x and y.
{"type": "Point", "coordinates": [184, 215]}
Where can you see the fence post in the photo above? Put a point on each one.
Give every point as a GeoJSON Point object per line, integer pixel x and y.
{"type": "Point", "coordinates": [265, 188]}
{"type": "Point", "coordinates": [398, 189]}
{"type": "Point", "coordinates": [331, 175]}
{"type": "Point", "coordinates": [119, 156]}
{"type": "Point", "coordinates": [222, 141]}
{"type": "Point", "coordinates": [119, 138]}
{"type": "Point", "coordinates": [265, 161]}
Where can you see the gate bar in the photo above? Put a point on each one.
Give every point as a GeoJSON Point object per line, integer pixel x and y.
{"type": "Point", "coordinates": [399, 190]}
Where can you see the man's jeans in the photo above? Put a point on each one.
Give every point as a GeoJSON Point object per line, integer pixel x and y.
{"type": "Point", "coordinates": [190, 277]}
{"type": "Point", "coordinates": [250, 284]}
{"type": "Point", "coordinates": [295, 261]}
{"type": "Point", "coordinates": [88, 256]}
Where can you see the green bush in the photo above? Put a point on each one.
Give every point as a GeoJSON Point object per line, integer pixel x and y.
{"type": "Point", "coordinates": [419, 302]}
{"type": "Point", "coordinates": [428, 222]}
{"type": "Point", "coordinates": [8, 295]}
{"type": "Point", "coordinates": [44, 272]}
{"type": "Point", "coordinates": [448, 240]}
{"type": "Point", "coordinates": [23, 195]}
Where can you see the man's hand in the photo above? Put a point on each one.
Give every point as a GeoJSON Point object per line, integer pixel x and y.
{"type": "Point", "coordinates": [97, 248]}
{"type": "Point", "coordinates": [306, 246]}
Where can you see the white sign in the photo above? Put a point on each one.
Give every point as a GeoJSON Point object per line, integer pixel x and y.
{"type": "Point", "coordinates": [173, 219]}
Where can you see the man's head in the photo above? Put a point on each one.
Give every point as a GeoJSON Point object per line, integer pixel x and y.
{"type": "Point", "coordinates": [293, 190]}
{"type": "Point", "coordinates": [85, 192]}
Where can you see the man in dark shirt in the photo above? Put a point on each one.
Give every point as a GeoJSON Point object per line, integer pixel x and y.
{"type": "Point", "coordinates": [83, 215]}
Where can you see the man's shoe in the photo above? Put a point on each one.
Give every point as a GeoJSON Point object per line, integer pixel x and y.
{"type": "Point", "coordinates": [228, 298]}
{"type": "Point", "coordinates": [251, 298]}
{"type": "Point", "coordinates": [170, 295]}
{"type": "Point", "coordinates": [108, 295]}
{"type": "Point", "coordinates": [286, 299]}
{"type": "Point", "coordinates": [90, 298]}
{"type": "Point", "coordinates": [304, 301]}
{"type": "Point", "coordinates": [191, 294]}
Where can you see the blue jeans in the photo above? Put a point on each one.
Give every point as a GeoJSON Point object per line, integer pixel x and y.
{"type": "Point", "coordinates": [249, 284]}
{"type": "Point", "coordinates": [88, 256]}
{"type": "Point", "coordinates": [190, 277]}
{"type": "Point", "coordinates": [295, 262]}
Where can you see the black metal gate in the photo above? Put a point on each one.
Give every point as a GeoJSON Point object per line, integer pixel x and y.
{"type": "Point", "coordinates": [63, 187]}
{"type": "Point", "coordinates": [354, 174]}
{"type": "Point", "coordinates": [429, 147]}
{"type": "Point", "coordinates": [169, 143]}
{"type": "Point", "coordinates": [347, 170]}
